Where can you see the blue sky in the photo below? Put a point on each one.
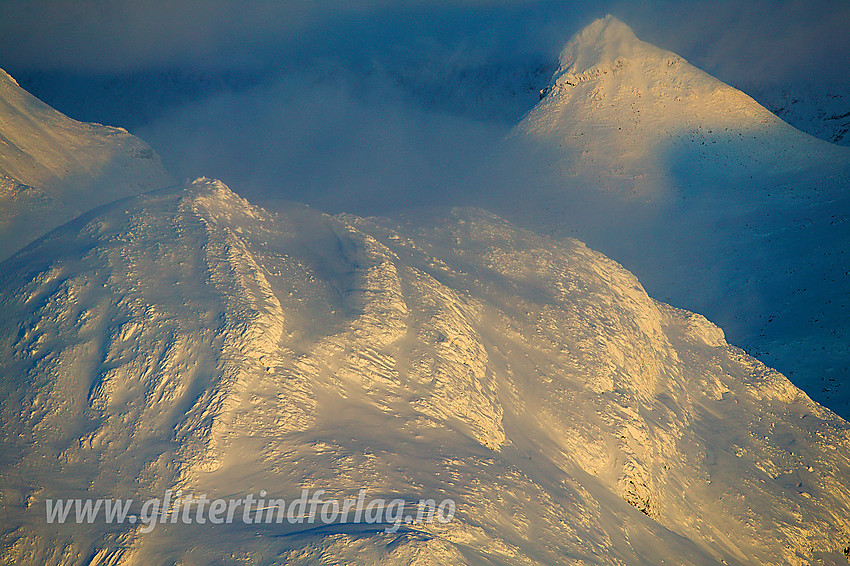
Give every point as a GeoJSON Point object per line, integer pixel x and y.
{"type": "Point", "coordinates": [756, 41]}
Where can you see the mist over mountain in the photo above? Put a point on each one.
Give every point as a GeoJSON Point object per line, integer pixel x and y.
{"type": "Point", "coordinates": [397, 293]}
{"type": "Point", "coordinates": [488, 90]}
{"type": "Point", "coordinates": [718, 205]}
{"type": "Point", "coordinates": [821, 112]}
{"type": "Point", "coordinates": [126, 69]}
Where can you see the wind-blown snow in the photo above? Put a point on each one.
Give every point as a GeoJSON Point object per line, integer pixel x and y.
{"type": "Point", "coordinates": [715, 203]}
{"type": "Point", "coordinates": [187, 339]}
{"type": "Point", "coordinates": [53, 168]}
{"type": "Point", "coordinates": [622, 110]}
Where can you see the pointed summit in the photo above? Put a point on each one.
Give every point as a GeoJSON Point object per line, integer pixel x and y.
{"type": "Point", "coordinates": [685, 179]}
{"type": "Point", "coordinates": [601, 44]}
{"type": "Point", "coordinates": [621, 104]}
{"type": "Point", "coordinates": [457, 356]}
{"type": "Point", "coordinates": [623, 68]}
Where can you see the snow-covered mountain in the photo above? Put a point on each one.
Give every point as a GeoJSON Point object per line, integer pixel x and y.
{"type": "Point", "coordinates": [626, 113]}
{"type": "Point", "coordinates": [495, 90]}
{"type": "Point", "coordinates": [186, 339]}
{"type": "Point", "coordinates": [53, 168]}
{"type": "Point", "coordinates": [713, 201]}
{"type": "Point", "coordinates": [132, 99]}
{"type": "Point", "coordinates": [821, 112]}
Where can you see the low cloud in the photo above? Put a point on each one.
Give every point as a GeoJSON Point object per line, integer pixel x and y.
{"type": "Point", "coordinates": [351, 103]}
{"type": "Point", "coordinates": [340, 142]}
{"type": "Point", "coordinates": [752, 43]}
{"type": "Point", "coordinates": [764, 40]}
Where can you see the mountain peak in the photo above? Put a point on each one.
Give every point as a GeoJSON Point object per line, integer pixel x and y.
{"type": "Point", "coordinates": [252, 351]}
{"type": "Point", "coordinates": [604, 44]}
{"type": "Point", "coordinates": [620, 103]}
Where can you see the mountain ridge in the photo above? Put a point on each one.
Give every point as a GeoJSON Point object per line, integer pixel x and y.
{"type": "Point", "coordinates": [623, 106]}
{"type": "Point", "coordinates": [186, 339]}
{"type": "Point", "coordinates": [701, 192]}
{"type": "Point", "coordinates": [53, 168]}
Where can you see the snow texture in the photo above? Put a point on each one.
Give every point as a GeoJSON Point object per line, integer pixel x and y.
{"type": "Point", "coordinates": [186, 339]}
{"type": "Point", "coordinates": [53, 168]}
{"type": "Point", "coordinates": [715, 203]}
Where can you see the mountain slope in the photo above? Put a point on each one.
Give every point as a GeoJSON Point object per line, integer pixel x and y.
{"type": "Point", "coordinates": [623, 109]}
{"type": "Point", "coordinates": [715, 203]}
{"type": "Point", "coordinates": [186, 339]}
{"type": "Point", "coordinates": [53, 168]}
{"type": "Point", "coordinates": [819, 111]}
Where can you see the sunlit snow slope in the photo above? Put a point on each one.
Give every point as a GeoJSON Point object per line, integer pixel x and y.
{"type": "Point", "coordinates": [187, 339]}
{"type": "Point", "coordinates": [53, 168]}
{"type": "Point", "coordinates": [715, 203]}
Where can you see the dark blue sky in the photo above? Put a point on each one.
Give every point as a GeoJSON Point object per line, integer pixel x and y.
{"type": "Point", "coordinates": [741, 42]}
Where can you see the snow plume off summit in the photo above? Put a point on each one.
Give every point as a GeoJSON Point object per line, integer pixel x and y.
{"type": "Point", "coordinates": [715, 204]}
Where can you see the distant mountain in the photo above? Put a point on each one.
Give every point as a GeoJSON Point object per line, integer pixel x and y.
{"type": "Point", "coordinates": [496, 90]}
{"type": "Point", "coordinates": [623, 111]}
{"type": "Point", "coordinates": [53, 168]}
{"type": "Point", "coordinates": [713, 201]}
{"type": "Point", "coordinates": [185, 339]}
